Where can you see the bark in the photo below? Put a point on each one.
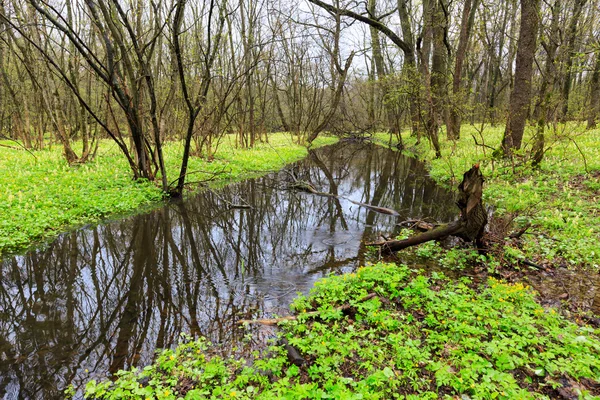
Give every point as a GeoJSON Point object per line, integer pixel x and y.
{"type": "Point", "coordinates": [424, 51]}
{"type": "Point", "coordinates": [494, 62]}
{"type": "Point", "coordinates": [471, 224]}
{"type": "Point", "coordinates": [409, 67]}
{"type": "Point", "coordinates": [381, 73]}
{"type": "Point", "coordinates": [570, 55]}
{"type": "Point", "coordinates": [439, 64]}
{"type": "Point", "coordinates": [520, 96]}
{"type": "Point", "coordinates": [594, 109]}
{"type": "Point", "coordinates": [466, 26]}
{"type": "Point", "coordinates": [548, 80]}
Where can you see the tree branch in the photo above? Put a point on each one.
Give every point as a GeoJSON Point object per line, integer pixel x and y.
{"type": "Point", "coordinates": [369, 21]}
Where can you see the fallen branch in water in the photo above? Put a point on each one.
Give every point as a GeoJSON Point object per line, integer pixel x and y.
{"type": "Point", "coordinates": [470, 225]}
{"type": "Point", "coordinates": [309, 188]}
{"type": "Point", "coordinates": [419, 224]}
{"type": "Point", "coordinates": [276, 321]}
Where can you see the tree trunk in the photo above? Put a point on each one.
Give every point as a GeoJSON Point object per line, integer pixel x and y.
{"type": "Point", "coordinates": [439, 64]}
{"type": "Point", "coordinates": [570, 54]}
{"type": "Point", "coordinates": [409, 66]}
{"type": "Point", "coordinates": [471, 224]}
{"type": "Point", "coordinates": [424, 51]}
{"type": "Point", "coordinates": [547, 82]}
{"type": "Point", "coordinates": [392, 120]}
{"type": "Point", "coordinates": [521, 94]}
{"type": "Point", "coordinates": [594, 109]}
{"type": "Point", "coordinates": [466, 25]}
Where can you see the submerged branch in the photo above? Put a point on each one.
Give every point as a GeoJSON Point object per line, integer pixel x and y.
{"type": "Point", "coordinates": [277, 321]}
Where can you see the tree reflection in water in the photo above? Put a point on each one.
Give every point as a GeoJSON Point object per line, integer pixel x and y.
{"type": "Point", "coordinates": [104, 298]}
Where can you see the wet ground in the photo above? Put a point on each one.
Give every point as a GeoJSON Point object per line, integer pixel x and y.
{"type": "Point", "coordinates": [104, 298]}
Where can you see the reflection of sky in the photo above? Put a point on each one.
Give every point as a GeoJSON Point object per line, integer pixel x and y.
{"type": "Point", "coordinates": [135, 284]}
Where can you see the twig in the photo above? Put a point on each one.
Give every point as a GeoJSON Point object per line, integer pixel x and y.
{"type": "Point", "coordinates": [520, 232]}
{"type": "Point", "coordinates": [16, 148]}
{"type": "Point", "coordinates": [213, 177]}
{"type": "Point", "coordinates": [532, 264]}
{"type": "Point", "coordinates": [229, 204]}
{"type": "Point", "coordinates": [582, 155]}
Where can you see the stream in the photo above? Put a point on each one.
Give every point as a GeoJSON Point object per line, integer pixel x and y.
{"type": "Point", "coordinates": [105, 297]}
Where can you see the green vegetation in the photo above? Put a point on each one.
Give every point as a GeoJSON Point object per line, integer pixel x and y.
{"type": "Point", "coordinates": [559, 199]}
{"type": "Point", "coordinates": [42, 195]}
{"type": "Point", "coordinates": [414, 337]}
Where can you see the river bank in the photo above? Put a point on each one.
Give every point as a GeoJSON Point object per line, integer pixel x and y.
{"type": "Point", "coordinates": [557, 202]}
{"type": "Point", "coordinates": [388, 331]}
{"type": "Point", "coordinates": [43, 196]}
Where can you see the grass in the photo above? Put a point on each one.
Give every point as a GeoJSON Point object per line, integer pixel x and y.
{"type": "Point", "coordinates": [428, 337]}
{"type": "Point", "coordinates": [559, 199]}
{"type": "Point", "coordinates": [416, 337]}
{"type": "Point", "coordinates": [42, 196]}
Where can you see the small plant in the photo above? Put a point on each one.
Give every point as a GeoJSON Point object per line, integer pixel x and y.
{"type": "Point", "coordinates": [43, 196]}
{"type": "Point", "coordinates": [400, 335]}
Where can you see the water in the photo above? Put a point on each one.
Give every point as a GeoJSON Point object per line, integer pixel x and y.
{"type": "Point", "coordinates": [104, 298]}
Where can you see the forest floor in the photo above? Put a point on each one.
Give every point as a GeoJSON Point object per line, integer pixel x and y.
{"type": "Point", "coordinates": [43, 196]}
{"type": "Point", "coordinates": [392, 331]}
{"type": "Point", "coordinates": [557, 201]}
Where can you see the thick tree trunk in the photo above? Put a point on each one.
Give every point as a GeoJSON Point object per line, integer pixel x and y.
{"type": "Point", "coordinates": [520, 96]}
{"type": "Point", "coordinates": [439, 63]}
{"type": "Point", "coordinates": [466, 25]}
{"type": "Point", "coordinates": [471, 224]}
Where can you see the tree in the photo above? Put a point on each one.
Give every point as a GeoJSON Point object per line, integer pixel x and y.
{"type": "Point", "coordinates": [594, 109]}
{"type": "Point", "coordinates": [520, 96]}
{"type": "Point", "coordinates": [550, 45]}
{"type": "Point", "coordinates": [570, 55]}
{"type": "Point", "coordinates": [194, 104]}
{"type": "Point", "coordinates": [407, 49]}
{"type": "Point", "coordinates": [466, 26]}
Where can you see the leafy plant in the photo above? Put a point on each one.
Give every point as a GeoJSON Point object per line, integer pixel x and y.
{"type": "Point", "coordinates": [403, 335]}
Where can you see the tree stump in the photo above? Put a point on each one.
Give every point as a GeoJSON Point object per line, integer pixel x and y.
{"type": "Point", "coordinates": [470, 225]}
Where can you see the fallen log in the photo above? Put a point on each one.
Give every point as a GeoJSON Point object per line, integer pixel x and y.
{"type": "Point", "coordinates": [470, 225]}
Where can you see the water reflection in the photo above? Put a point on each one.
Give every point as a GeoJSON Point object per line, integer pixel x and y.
{"type": "Point", "coordinates": [104, 298]}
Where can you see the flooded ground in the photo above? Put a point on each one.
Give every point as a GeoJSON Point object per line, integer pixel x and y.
{"type": "Point", "coordinates": [104, 298]}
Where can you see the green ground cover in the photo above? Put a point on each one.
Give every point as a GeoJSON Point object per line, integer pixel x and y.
{"type": "Point", "coordinates": [400, 335]}
{"type": "Point", "coordinates": [428, 337]}
{"type": "Point", "coordinates": [41, 196]}
{"type": "Point", "coordinates": [560, 199]}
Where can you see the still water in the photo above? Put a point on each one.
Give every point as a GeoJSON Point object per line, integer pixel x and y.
{"type": "Point", "coordinates": [104, 298]}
